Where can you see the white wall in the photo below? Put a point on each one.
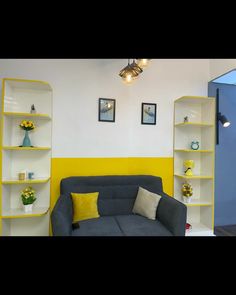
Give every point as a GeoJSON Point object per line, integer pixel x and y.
{"type": "Point", "coordinates": [77, 85]}
{"type": "Point", "coordinates": [219, 67]}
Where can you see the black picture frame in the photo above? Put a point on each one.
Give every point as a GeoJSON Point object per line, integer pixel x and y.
{"type": "Point", "coordinates": [149, 118]}
{"type": "Point", "coordinates": [106, 109]}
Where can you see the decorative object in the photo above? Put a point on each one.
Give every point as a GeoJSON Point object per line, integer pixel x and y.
{"type": "Point", "coordinates": [106, 110]}
{"type": "Point", "coordinates": [219, 117]}
{"type": "Point", "coordinates": [195, 145]}
{"type": "Point", "coordinates": [146, 203]}
{"type": "Point", "coordinates": [188, 227]}
{"type": "Point", "coordinates": [149, 113]}
{"type": "Point", "coordinates": [27, 126]}
{"type": "Point", "coordinates": [21, 175]}
{"type": "Point", "coordinates": [187, 192]}
{"type": "Point", "coordinates": [31, 175]}
{"type": "Point", "coordinates": [189, 164]}
{"type": "Point", "coordinates": [186, 119]}
{"type": "Point", "coordinates": [84, 206]}
{"type": "Point", "coordinates": [28, 198]}
{"type": "Point", "coordinates": [32, 110]}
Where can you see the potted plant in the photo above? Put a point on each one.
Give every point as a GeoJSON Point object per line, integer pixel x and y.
{"type": "Point", "coordinates": [28, 198]}
{"type": "Point", "coordinates": [187, 192]}
{"type": "Point", "coordinates": [27, 126]}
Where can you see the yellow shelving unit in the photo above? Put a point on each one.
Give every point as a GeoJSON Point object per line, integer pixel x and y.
{"type": "Point", "coordinates": [27, 115]}
{"type": "Point", "coordinates": [200, 127]}
{"type": "Point", "coordinates": [27, 181]}
{"type": "Point", "coordinates": [17, 97]}
{"type": "Point", "coordinates": [194, 151]}
{"type": "Point", "coordinates": [17, 148]}
{"type": "Point", "coordinates": [193, 124]}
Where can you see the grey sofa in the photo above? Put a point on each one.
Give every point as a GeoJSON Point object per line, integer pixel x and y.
{"type": "Point", "coordinates": [117, 195]}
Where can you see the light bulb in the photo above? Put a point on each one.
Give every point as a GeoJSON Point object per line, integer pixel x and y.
{"type": "Point", "coordinates": [128, 79]}
{"type": "Point", "coordinates": [226, 124]}
{"type": "Point", "coordinates": [143, 62]}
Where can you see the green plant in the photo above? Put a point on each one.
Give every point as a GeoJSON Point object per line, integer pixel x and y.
{"type": "Point", "coordinates": [28, 196]}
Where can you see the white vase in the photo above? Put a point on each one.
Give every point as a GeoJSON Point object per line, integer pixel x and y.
{"type": "Point", "coordinates": [28, 208]}
{"type": "Point", "coordinates": [187, 199]}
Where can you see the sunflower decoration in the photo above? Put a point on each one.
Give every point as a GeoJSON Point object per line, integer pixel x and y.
{"type": "Point", "coordinates": [27, 125]}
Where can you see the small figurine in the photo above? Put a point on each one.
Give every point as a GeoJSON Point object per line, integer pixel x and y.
{"type": "Point", "coordinates": [189, 164]}
{"type": "Point", "coordinates": [186, 119]}
{"type": "Point", "coordinates": [195, 145]}
{"type": "Point", "coordinates": [33, 110]}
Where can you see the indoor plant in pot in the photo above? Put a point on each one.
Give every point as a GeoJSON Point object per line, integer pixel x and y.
{"type": "Point", "coordinates": [187, 192]}
{"type": "Point", "coordinates": [28, 198]}
{"type": "Point", "coordinates": [27, 126]}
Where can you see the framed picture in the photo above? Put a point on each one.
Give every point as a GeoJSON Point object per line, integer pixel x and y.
{"type": "Point", "coordinates": [149, 113]}
{"type": "Point", "coordinates": [106, 109]}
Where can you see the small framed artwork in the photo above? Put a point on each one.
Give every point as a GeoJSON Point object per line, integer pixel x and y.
{"type": "Point", "coordinates": [149, 113]}
{"type": "Point", "coordinates": [106, 109]}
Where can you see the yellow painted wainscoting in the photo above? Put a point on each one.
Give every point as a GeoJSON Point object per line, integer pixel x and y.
{"type": "Point", "coordinates": [65, 167]}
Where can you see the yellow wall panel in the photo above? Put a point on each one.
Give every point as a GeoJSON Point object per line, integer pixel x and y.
{"type": "Point", "coordinates": [65, 167]}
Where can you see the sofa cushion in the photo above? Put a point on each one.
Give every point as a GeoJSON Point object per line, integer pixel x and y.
{"type": "Point", "coordinates": [102, 226]}
{"type": "Point", "coordinates": [84, 206]}
{"type": "Point", "coordinates": [135, 225]}
{"type": "Point", "coordinates": [146, 203]}
{"type": "Point", "coordinates": [113, 199]}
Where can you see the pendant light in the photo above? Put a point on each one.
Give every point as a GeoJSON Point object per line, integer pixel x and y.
{"type": "Point", "coordinates": [129, 73]}
{"type": "Point", "coordinates": [135, 66]}
{"type": "Point", "coordinates": [143, 62]}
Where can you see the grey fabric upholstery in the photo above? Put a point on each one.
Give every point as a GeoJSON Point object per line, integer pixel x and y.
{"type": "Point", "coordinates": [62, 216]}
{"type": "Point", "coordinates": [117, 195]}
{"type": "Point", "coordinates": [172, 214]}
{"type": "Point", "coordinates": [135, 225]}
{"type": "Point", "coordinates": [102, 226]}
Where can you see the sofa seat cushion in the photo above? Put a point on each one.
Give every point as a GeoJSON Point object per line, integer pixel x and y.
{"type": "Point", "coordinates": [135, 225]}
{"type": "Point", "coordinates": [102, 226]}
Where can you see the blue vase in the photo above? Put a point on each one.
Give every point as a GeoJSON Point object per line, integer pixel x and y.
{"type": "Point", "coordinates": [26, 141]}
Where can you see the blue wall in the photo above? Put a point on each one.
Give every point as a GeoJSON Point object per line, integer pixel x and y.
{"type": "Point", "coordinates": [225, 166]}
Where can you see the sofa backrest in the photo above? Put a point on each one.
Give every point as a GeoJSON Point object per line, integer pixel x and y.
{"type": "Point", "coordinates": [117, 194]}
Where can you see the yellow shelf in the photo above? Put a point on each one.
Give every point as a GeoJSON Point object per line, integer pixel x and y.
{"type": "Point", "coordinates": [195, 124]}
{"type": "Point", "coordinates": [25, 148]}
{"type": "Point", "coordinates": [199, 229]}
{"type": "Point", "coordinates": [194, 176]}
{"type": "Point", "coordinates": [194, 151]}
{"type": "Point", "coordinates": [19, 213]}
{"type": "Point", "coordinates": [16, 115]}
{"type": "Point", "coordinates": [196, 203]}
{"type": "Point", "coordinates": [195, 99]}
{"type": "Point", "coordinates": [31, 84]}
{"type": "Point", "coordinates": [27, 181]}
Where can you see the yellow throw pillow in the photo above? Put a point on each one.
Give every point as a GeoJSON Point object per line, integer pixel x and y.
{"type": "Point", "coordinates": [84, 206]}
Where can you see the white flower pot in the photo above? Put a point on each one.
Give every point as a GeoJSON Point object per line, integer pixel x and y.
{"type": "Point", "coordinates": [28, 208]}
{"type": "Point", "coordinates": [187, 199]}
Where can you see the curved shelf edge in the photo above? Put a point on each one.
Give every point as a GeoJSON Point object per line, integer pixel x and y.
{"type": "Point", "coordinates": [19, 213]}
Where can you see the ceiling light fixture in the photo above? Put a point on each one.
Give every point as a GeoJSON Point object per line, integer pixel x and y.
{"type": "Point", "coordinates": [130, 72]}
{"type": "Point", "coordinates": [143, 62]}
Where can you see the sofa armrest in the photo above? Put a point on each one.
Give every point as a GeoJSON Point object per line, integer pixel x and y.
{"type": "Point", "coordinates": [172, 214]}
{"type": "Point", "coordinates": [62, 216]}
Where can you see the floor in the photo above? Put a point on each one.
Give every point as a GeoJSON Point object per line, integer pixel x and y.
{"type": "Point", "coordinates": [227, 230]}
